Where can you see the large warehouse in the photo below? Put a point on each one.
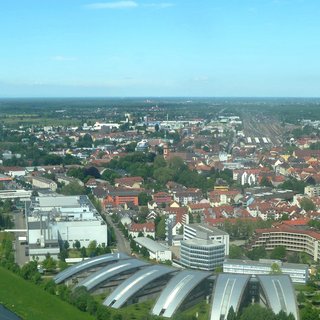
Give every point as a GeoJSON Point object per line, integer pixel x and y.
{"type": "Point", "coordinates": [55, 219]}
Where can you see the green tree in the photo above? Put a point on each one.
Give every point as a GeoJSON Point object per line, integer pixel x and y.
{"type": "Point", "coordinates": [301, 298]}
{"type": "Point", "coordinates": [265, 182]}
{"type": "Point", "coordinates": [66, 245]}
{"type": "Point", "coordinates": [255, 312]}
{"type": "Point", "coordinates": [110, 175]}
{"type": "Point", "coordinates": [144, 198]}
{"type": "Point", "coordinates": [257, 253]}
{"type": "Point", "coordinates": [77, 244]}
{"type": "Point", "coordinates": [52, 159]}
{"type": "Point", "coordinates": [159, 162]}
{"type": "Point", "coordinates": [307, 204]}
{"type": "Point", "coordinates": [163, 174]}
{"type": "Point", "coordinates": [85, 141]}
{"type": "Point", "coordinates": [49, 264]}
{"type": "Point", "coordinates": [275, 268]}
{"type": "Point", "coordinates": [29, 269]}
{"type": "Point", "coordinates": [309, 313]}
{"type": "Point", "coordinates": [92, 247]}
{"type": "Point", "coordinates": [235, 252]}
{"type": "Point", "coordinates": [161, 228]}
{"type": "Point", "coordinates": [145, 253]}
{"type": "Point", "coordinates": [278, 253]}
{"type": "Point", "coordinates": [231, 314]}
{"type": "Point", "coordinates": [73, 189]}
{"type": "Point", "coordinates": [79, 298]}
{"type": "Point", "coordinates": [83, 252]}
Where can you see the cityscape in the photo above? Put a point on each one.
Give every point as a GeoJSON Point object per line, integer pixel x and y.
{"type": "Point", "coordinates": [159, 159]}
{"type": "Point", "coordinates": [162, 208]}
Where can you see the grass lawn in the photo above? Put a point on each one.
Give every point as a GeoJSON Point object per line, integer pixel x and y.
{"type": "Point", "coordinates": [30, 302]}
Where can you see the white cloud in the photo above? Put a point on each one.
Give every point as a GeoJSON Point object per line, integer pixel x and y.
{"type": "Point", "coordinates": [128, 5]}
{"type": "Point", "coordinates": [113, 5]}
{"type": "Point", "coordinates": [201, 79]}
{"type": "Point", "coordinates": [162, 5]}
{"type": "Point", "coordinates": [63, 58]}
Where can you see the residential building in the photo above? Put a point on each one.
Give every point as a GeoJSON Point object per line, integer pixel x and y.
{"type": "Point", "coordinates": [146, 229]}
{"type": "Point", "coordinates": [187, 196]}
{"type": "Point", "coordinates": [67, 180]}
{"type": "Point", "coordinates": [312, 191]}
{"type": "Point", "coordinates": [14, 171]}
{"type": "Point", "coordinates": [162, 198]}
{"type": "Point", "coordinates": [129, 182]}
{"type": "Point", "coordinates": [293, 239]}
{"type": "Point", "coordinates": [44, 183]}
{"type": "Point", "coordinates": [121, 197]}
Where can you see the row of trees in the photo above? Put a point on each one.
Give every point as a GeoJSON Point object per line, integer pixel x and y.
{"type": "Point", "coordinates": [255, 311]}
{"type": "Point", "coordinates": [6, 208]}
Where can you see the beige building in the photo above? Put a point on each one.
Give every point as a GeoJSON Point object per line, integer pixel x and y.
{"type": "Point", "coordinates": [292, 239]}
{"type": "Point", "coordinates": [44, 183]}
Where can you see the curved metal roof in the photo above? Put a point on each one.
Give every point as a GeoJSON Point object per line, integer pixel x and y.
{"type": "Point", "coordinates": [176, 291]}
{"type": "Point", "coordinates": [227, 292]}
{"type": "Point", "coordinates": [110, 271]}
{"type": "Point", "coordinates": [86, 264]}
{"type": "Point", "coordinates": [279, 293]}
{"type": "Point", "coordinates": [135, 283]}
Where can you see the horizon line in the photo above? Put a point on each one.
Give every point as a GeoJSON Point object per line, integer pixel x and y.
{"type": "Point", "coordinates": [159, 97]}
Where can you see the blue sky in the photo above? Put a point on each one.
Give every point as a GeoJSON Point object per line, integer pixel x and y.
{"type": "Point", "coordinates": [70, 48]}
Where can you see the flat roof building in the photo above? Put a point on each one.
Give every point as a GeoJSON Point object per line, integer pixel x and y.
{"type": "Point", "coordinates": [202, 254]}
{"type": "Point", "coordinates": [293, 239]}
{"type": "Point", "coordinates": [297, 272]}
{"type": "Point", "coordinates": [156, 250]}
{"type": "Point", "coordinates": [63, 218]}
{"type": "Point", "coordinates": [206, 232]}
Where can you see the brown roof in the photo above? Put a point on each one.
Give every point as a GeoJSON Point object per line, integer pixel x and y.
{"type": "Point", "coordinates": [137, 227]}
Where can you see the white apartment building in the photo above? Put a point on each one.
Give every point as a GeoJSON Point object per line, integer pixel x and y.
{"type": "Point", "coordinates": [292, 239]}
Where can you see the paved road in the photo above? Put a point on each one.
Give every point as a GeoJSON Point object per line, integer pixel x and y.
{"type": "Point", "coordinates": [20, 223]}
{"type": "Point", "coordinates": [122, 243]}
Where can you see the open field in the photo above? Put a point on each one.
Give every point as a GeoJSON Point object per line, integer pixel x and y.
{"type": "Point", "coordinates": [32, 303]}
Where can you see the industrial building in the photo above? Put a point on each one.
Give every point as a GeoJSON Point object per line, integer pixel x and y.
{"type": "Point", "coordinates": [52, 220]}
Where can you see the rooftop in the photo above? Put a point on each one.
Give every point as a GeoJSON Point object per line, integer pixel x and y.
{"type": "Point", "coordinates": [150, 244]}
{"type": "Point", "coordinates": [267, 262]}
{"type": "Point", "coordinates": [202, 242]}
{"type": "Point", "coordinates": [206, 228]}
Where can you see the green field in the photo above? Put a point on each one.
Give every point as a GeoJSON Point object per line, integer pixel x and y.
{"type": "Point", "coordinates": [32, 303]}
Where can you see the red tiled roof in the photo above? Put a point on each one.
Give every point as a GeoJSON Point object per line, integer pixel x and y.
{"type": "Point", "coordinates": [298, 222]}
{"type": "Point", "coordinates": [137, 227]}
